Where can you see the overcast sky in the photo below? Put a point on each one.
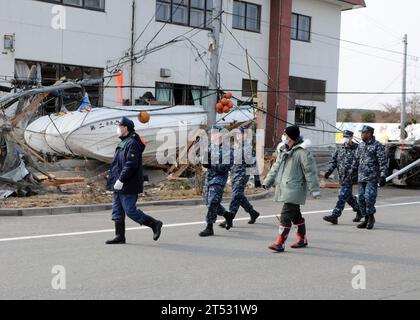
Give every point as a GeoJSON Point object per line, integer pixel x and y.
{"type": "Point", "coordinates": [383, 24]}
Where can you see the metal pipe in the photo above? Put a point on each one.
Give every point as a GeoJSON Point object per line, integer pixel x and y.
{"type": "Point", "coordinates": [403, 170]}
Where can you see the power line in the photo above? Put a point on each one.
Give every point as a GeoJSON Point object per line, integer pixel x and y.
{"type": "Point", "coordinates": [324, 35]}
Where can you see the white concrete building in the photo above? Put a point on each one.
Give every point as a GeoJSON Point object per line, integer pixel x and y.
{"type": "Point", "coordinates": [290, 44]}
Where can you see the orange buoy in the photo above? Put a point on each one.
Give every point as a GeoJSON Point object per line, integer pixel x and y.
{"type": "Point", "coordinates": [224, 101]}
{"type": "Point", "coordinates": [228, 95]}
{"type": "Point", "coordinates": [226, 109]}
{"type": "Point", "coordinates": [144, 117]}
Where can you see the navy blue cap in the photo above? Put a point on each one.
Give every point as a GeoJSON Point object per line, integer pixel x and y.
{"type": "Point", "coordinates": [348, 133]}
{"type": "Point", "coordinates": [126, 122]}
{"type": "Point", "coordinates": [367, 129]}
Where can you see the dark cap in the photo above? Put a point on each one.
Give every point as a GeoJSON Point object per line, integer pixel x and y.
{"type": "Point", "coordinates": [126, 122]}
{"type": "Point", "coordinates": [348, 133]}
{"type": "Point", "coordinates": [293, 132]}
{"type": "Point", "coordinates": [367, 129]}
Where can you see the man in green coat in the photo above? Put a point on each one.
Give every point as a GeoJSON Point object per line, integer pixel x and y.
{"type": "Point", "coordinates": [294, 174]}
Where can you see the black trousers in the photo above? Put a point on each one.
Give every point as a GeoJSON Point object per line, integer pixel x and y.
{"type": "Point", "coordinates": [291, 214]}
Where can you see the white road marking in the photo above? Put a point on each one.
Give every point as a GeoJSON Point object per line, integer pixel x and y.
{"type": "Point", "coordinates": [181, 224]}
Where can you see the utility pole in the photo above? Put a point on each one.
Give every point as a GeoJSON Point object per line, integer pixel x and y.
{"type": "Point", "coordinates": [404, 91]}
{"type": "Point", "coordinates": [133, 26]}
{"type": "Point", "coordinates": [214, 64]}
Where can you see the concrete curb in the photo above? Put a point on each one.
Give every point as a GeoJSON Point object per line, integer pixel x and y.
{"type": "Point", "coordinates": [11, 212]}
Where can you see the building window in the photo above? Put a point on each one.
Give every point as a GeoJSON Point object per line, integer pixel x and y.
{"type": "Point", "coordinates": [86, 4]}
{"type": "Point", "coordinates": [305, 115]}
{"type": "Point", "coordinates": [249, 87]}
{"type": "Point", "coordinates": [181, 94]}
{"type": "Point", "coordinates": [307, 89]}
{"type": "Point", "coordinates": [51, 73]}
{"type": "Point", "coordinates": [246, 16]}
{"type": "Point", "coordinates": [301, 27]}
{"type": "Point", "coordinates": [193, 13]}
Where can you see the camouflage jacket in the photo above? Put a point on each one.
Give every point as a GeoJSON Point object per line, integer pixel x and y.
{"type": "Point", "coordinates": [218, 171]}
{"type": "Point", "coordinates": [370, 161]}
{"type": "Point", "coordinates": [246, 165]}
{"type": "Point", "coordinates": [342, 160]}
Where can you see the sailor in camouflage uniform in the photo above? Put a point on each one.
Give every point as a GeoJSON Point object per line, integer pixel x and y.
{"type": "Point", "coordinates": [218, 166]}
{"type": "Point", "coordinates": [371, 165]}
{"type": "Point", "coordinates": [243, 166]}
{"type": "Point", "coordinates": [342, 160]}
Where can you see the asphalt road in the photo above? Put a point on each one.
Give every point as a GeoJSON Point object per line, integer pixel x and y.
{"type": "Point", "coordinates": [234, 264]}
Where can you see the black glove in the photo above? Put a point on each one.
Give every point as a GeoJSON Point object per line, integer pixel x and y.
{"type": "Point", "coordinates": [327, 175]}
{"type": "Point", "coordinates": [257, 182]}
{"type": "Point", "coordinates": [382, 182]}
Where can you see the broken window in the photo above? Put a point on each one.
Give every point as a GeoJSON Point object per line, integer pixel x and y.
{"type": "Point", "coordinates": [305, 115]}
{"type": "Point", "coordinates": [50, 73]}
{"type": "Point", "coordinates": [181, 94]}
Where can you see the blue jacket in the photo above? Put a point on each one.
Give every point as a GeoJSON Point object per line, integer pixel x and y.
{"type": "Point", "coordinates": [342, 160]}
{"type": "Point", "coordinates": [127, 165]}
{"type": "Point", "coordinates": [370, 162]}
{"type": "Point", "coordinates": [218, 171]}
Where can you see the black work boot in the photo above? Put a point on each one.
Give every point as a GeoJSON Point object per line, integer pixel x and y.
{"type": "Point", "coordinates": [364, 224]}
{"type": "Point", "coordinates": [229, 216]}
{"type": "Point", "coordinates": [155, 225]}
{"type": "Point", "coordinates": [331, 219]}
{"type": "Point", "coordinates": [358, 217]}
{"type": "Point", "coordinates": [371, 222]}
{"type": "Point", "coordinates": [301, 237]}
{"type": "Point", "coordinates": [254, 216]}
{"type": "Point", "coordinates": [222, 224]}
{"type": "Point", "coordinates": [208, 231]}
{"type": "Point", "coordinates": [119, 233]}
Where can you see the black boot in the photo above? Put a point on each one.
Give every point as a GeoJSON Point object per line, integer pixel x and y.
{"type": "Point", "coordinates": [364, 224]}
{"type": "Point", "coordinates": [358, 217]}
{"type": "Point", "coordinates": [119, 233]}
{"type": "Point", "coordinates": [222, 224]}
{"type": "Point", "coordinates": [331, 219]}
{"type": "Point", "coordinates": [155, 225]}
{"type": "Point", "coordinates": [371, 222]}
{"type": "Point", "coordinates": [254, 216]}
{"type": "Point", "coordinates": [207, 232]}
{"type": "Point", "coordinates": [229, 216]}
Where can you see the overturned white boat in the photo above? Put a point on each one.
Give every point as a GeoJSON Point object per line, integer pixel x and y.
{"type": "Point", "coordinates": [93, 134]}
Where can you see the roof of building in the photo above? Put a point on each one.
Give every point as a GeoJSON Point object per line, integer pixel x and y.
{"type": "Point", "coordinates": [359, 3]}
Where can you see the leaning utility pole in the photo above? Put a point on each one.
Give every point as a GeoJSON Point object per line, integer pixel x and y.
{"type": "Point", "coordinates": [404, 91]}
{"type": "Point", "coordinates": [214, 64]}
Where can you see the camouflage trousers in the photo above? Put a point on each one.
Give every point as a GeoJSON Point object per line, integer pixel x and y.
{"type": "Point", "coordinates": [368, 192]}
{"type": "Point", "coordinates": [238, 196]}
{"type": "Point", "coordinates": [345, 196]}
{"type": "Point", "coordinates": [213, 196]}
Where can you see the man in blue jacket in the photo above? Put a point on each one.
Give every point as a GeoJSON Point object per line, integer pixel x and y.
{"type": "Point", "coordinates": [126, 180]}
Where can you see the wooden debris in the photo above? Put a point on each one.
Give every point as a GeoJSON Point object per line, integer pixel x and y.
{"type": "Point", "coordinates": [62, 181]}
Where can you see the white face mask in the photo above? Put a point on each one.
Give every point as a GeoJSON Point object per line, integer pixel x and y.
{"type": "Point", "coordinates": [284, 139]}
{"type": "Point", "coordinates": [119, 133]}
{"type": "Point", "coordinates": [346, 140]}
